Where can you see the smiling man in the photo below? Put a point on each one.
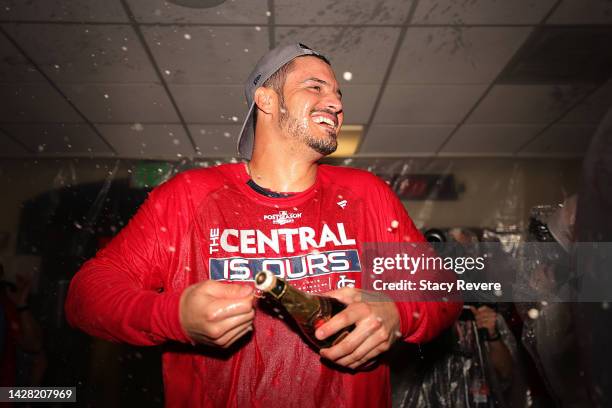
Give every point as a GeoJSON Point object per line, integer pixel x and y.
{"type": "Point", "coordinates": [182, 270]}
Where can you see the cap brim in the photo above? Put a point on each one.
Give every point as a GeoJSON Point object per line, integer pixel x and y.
{"type": "Point", "coordinates": [246, 138]}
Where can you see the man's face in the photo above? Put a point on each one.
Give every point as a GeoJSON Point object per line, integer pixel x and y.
{"type": "Point", "coordinates": [311, 106]}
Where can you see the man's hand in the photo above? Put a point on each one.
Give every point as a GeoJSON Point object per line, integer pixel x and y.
{"type": "Point", "coordinates": [215, 313]}
{"type": "Point", "coordinates": [486, 318]}
{"type": "Point", "coordinates": [376, 322]}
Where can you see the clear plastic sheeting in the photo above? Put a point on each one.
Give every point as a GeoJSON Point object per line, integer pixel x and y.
{"type": "Point", "coordinates": [462, 369]}
{"type": "Point", "coordinates": [594, 223]}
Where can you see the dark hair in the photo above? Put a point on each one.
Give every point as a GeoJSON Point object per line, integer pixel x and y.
{"type": "Point", "coordinates": [277, 80]}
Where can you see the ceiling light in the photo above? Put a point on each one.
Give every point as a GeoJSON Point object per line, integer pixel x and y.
{"type": "Point", "coordinates": [197, 3]}
{"type": "Point", "coordinates": [348, 140]}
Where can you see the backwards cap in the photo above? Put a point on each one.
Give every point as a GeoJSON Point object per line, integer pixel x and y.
{"type": "Point", "coordinates": [271, 62]}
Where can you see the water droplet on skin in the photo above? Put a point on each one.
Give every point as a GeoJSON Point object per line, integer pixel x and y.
{"type": "Point", "coordinates": [533, 314]}
{"type": "Point", "coordinates": [347, 76]}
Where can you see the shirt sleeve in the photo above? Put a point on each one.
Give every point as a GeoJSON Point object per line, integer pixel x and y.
{"type": "Point", "coordinates": [420, 321]}
{"type": "Point", "coordinates": [119, 295]}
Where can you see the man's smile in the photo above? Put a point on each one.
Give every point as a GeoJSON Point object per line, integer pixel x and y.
{"type": "Point", "coordinates": [326, 120]}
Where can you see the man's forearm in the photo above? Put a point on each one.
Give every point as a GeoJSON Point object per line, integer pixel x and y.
{"type": "Point", "coordinates": [105, 304]}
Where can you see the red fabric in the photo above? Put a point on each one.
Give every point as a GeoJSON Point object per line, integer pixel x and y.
{"type": "Point", "coordinates": [171, 243]}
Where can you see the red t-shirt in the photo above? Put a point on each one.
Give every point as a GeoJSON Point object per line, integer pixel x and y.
{"type": "Point", "coordinates": [209, 224]}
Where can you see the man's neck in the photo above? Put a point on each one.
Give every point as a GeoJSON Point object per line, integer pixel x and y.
{"type": "Point", "coordinates": [282, 174]}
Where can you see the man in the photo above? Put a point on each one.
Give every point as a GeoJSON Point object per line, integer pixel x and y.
{"type": "Point", "coordinates": [182, 269]}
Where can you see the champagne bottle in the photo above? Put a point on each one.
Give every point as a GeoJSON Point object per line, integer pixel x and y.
{"type": "Point", "coordinates": [307, 310]}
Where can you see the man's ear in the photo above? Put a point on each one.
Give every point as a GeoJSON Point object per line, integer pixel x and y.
{"type": "Point", "coordinates": [265, 99]}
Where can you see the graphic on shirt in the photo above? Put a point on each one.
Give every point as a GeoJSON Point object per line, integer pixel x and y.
{"type": "Point", "coordinates": [291, 268]}
{"type": "Point", "coordinates": [341, 258]}
{"type": "Point", "coordinates": [344, 282]}
{"type": "Point", "coordinates": [278, 241]}
{"type": "Point", "coordinates": [282, 217]}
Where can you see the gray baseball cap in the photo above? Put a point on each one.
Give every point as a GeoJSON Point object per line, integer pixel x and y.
{"type": "Point", "coordinates": [271, 62]}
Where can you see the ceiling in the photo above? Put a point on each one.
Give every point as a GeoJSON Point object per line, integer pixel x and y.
{"type": "Point", "coordinates": [150, 79]}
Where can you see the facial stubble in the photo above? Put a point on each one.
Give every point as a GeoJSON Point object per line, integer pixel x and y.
{"type": "Point", "coordinates": [301, 132]}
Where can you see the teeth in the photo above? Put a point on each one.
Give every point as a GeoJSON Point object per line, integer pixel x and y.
{"type": "Point", "coordinates": [322, 119]}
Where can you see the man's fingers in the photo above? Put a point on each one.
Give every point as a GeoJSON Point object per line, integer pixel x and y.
{"type": "Point", "coordinates": [220, 329]}
{"type": "Point", "coordinates": [227, 290]}
{"type": "Point", "coordinates": [222, 309]}
{"type": "Point", "coordinates": [373, 339]}
{"type": "Point", "coordinates": [364, 333]}
{"type": "Point", "coordinates": [345, 318]}
{"type": "Point", "coordinates": [238, 336]}
{"type": "Point", "coordinates": [345, 295]}
{"type": "Point", "coordinates": [375, 351]}
{"type": "Point", "coordinates": [234, 334]}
